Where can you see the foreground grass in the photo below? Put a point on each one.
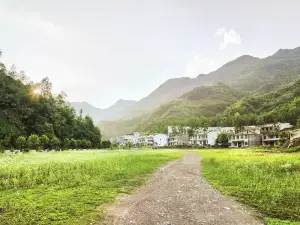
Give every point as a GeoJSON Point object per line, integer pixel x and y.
{"type": "Point", "coordinates": [67, 187]}
{"type": "Point", "coordinates": [269, 182]}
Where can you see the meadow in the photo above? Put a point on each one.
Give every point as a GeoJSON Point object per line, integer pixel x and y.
{"type": "Point", "coordinates": [70, 187]}
{"type": "Point", "coordinates": [267, 181]}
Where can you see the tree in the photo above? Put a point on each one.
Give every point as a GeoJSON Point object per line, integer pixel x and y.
{"type": "Point", "coordinates": [44, 141]}
{"type": "Point", "coordinates": [21, 143]}
{"type": "Point", "coordinates": [73, 143]}
{"type": "Point", "coordinates": [33, 142]}
{"type": "Point", "coordinates": [298, 123]}
{"type": "Point", "coordinates": [222, 140]}
{"type": "Point", "coordinates": [54, 142]}
{"type": "Point", "coordinates": [67, 143]}
{"type": "Point", "coordinates": [106, 144]}
{"type": "Point", "coordinates": [23, 112]}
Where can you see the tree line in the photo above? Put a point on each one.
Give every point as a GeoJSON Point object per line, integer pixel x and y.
{"type": "Point", "coordinates": [32, 117]}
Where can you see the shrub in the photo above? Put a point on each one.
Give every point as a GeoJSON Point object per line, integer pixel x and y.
{"type": "Point", "coordinates": [66, 144]}
{"type": "Point", "coordinates": [21, 143]}
{"type": "Point", "coordinates": [33, 142]}
{"type": "Point", "coordinates": [44, 141]}
{"type": "Point", "coordinates": [54, 142]}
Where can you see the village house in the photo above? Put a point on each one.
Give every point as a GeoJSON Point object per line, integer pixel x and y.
{"type": "Point", "coordinates": [249, 136]}
{"type": "Point", "coordinates": [178, 136]}
{"type": "Point", "coordinates": [160, 140]}
{"type": "Point", "coordinates": [146, 141]}
{"type": "Point", "coordinates": [199, 136]}
{"type": "Point", "coordinates": [133, 138]}
{"type": "Point", "coordinates": [272, 133]}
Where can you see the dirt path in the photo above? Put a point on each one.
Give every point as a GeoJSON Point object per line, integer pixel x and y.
{"type": "Point", "coordinates": [177, 195]}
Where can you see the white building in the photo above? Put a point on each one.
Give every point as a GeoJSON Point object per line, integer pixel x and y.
{"type": "Point", "coordinates": [200, 136]}
{"type": "Point", "coordinates": [271, 133]}
{"type": "Point", "coordinates": [249, 136]}
{"type": "Point", "coordinates": [160, 140]}
{"type": "Point", "coordinates": [133, 138]}
{"type": "Point", "coordinates": [146, 141]}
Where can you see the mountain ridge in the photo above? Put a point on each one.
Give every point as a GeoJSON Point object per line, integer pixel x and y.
{"type": "Point", "coordinates": [246, 73]}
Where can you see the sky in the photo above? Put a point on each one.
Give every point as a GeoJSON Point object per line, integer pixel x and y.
{"type": "Point", "coordinates": [101, 51]}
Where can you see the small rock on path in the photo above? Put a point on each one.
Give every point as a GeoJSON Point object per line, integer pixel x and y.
{"type": "Point", "coordinates": [177, 194]}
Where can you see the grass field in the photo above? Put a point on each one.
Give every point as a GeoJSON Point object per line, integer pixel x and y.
{"type": "Point", "coordinates": [267, 181]}
{"type": "Point", "coordinates": [67, 187]}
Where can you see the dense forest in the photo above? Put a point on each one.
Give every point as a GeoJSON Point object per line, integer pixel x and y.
{"type": "Point", "coordinates": [32, 117]}
{"type": "Point", "coordinates": [279, 105]}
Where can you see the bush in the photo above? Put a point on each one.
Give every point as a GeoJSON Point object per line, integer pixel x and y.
{"type": "Point", "coordinates": [66, 144]}
{"type": "Point", "coordinates": [73, 143]}
{"type": "Point", "coordinates": [54, 143]}
{"type": "Point", "coordinates": [33, 142]}
{"type": "Point", "coordinates": [21, 143]}
{"type": "Point", "coordinates": [44, 141]}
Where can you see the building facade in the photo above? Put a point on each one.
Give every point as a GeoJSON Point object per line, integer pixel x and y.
{"type": "Point", "coordinates": [133, 138]}
{"type": "Point", "coordinates": [272, 133]}
{"type": "Point", "coordinates": [160, 140]}
{"type": "Point", "coordinates": [199, 136]}
{"type": "Point", "coordinates": [250, 136]}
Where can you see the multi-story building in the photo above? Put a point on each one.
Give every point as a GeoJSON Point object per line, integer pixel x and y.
{"type": "Point", "coordinates": [178, 136]}
{"type": "Point", "coordinates": [146, 141]}
{"type": "Point", "coordinates": [272, 133]}
{"type": "Point", "coordinates": [249, 136]}
{"type": "Point", "coordinates": [133, 138]}
{"type": "Point", "coordinates": [199, 136]}
{"type": "Point", "coordinates": [160, 140]}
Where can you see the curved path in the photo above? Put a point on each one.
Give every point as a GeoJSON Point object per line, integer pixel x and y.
{"type": "Point", "coordinates": [178, 195]}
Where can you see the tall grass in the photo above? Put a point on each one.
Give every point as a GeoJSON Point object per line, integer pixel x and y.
{"type": "Point", "coordinates": [66, 187]}
{"type": "Point", "coordinates": [269, 182]}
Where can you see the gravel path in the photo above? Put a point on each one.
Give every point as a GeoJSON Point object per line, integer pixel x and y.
{"type": "Point", "coordinates": [178, 195]}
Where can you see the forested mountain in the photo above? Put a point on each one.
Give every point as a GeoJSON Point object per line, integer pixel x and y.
{"type": "Point", "coordinates": [114, 112]}
{"type": "Point", "coordinates": [29, 109]}
{"type": "Point", "coordinates": [246, 74]}
{"type": "Point", "coordinates": [281, 105]}
{"type": "Point", "coordinates": [204, 102]}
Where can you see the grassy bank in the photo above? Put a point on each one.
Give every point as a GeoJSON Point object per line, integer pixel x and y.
{"type": "Point", "coordinates": [67, 187]}
{"type": "Point", "coordinates": [269, 182]}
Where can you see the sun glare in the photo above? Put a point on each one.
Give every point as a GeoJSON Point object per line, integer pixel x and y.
{"type": "Point", "coordinates": [37, 91]}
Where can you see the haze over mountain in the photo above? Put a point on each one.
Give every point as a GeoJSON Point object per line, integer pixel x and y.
{"type": "Point", "coordinates": [247, 74]}
{"type": "Point", "coordinates": [115, 111]}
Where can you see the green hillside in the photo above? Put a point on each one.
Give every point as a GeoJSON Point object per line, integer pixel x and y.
{"type": "Point", "coordinates": [201, 102]}
{"type": "Point", "coordinates": [280, 105]}
{"type": "Point", "coordinates": [28, 108]}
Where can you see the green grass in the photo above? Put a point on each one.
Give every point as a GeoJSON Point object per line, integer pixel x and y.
{"type": "Point", "coordinates": [269, 182]}
{"type": "Point", "coordinates": [68, 187]}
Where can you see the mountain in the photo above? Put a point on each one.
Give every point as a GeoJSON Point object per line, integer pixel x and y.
{"type": "Point", "coordinates": [280, 105]}
{"type": "Point", "coordinates": [247, 74]}
{"type": "Point", "coordinates": [205, 101]}
{"type": "Point", "coordinates": [114, 112]}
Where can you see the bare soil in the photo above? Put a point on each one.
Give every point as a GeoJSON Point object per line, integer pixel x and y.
{"type": "Point", "coordinates": [177, 194]}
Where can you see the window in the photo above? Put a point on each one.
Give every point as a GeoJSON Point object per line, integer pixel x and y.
{"type": "Point", "coordinates": [246, 143]}
{"type": "Point", "coordinates": [246, 136]}
{"type": "Point", "coordinates": [276, 136]}
{"type": "Point", "coordinates": [265, 137]}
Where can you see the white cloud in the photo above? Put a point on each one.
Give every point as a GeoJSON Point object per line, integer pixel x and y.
{"type": "Point", "coordinates": [200, 65]}
{"type": "Point", "coordinates": [228, 36]}
{"type": "Point", "coordinates": [32, 21]}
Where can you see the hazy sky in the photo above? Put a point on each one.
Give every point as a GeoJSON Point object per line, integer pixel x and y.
{"type": "Point", "coordinates": [100, 51]}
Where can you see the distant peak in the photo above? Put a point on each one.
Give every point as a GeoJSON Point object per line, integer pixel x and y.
{"type": "Point", "coordinates": [200, 76]}
{"type": "Point", "coordinates": [244, 59]}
